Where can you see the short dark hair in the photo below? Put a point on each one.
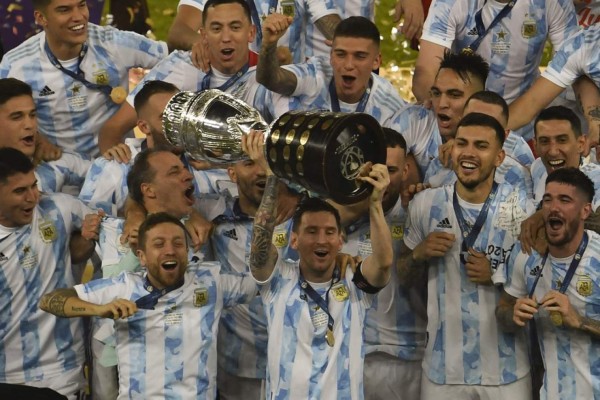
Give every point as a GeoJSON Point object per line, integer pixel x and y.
{"type": "Point", "coordinates": [149, 89]}
{"type": "Point", "coordinates": [560, 113]}
{"type": "Point", "coordinates": [574, 177]}
{"type": "Point", "coordinates": [11, 87]}
{"type": "Point", "coordinates": [489, 97]}
{"type": "Point", "coordinates": [314, 204]}
{"type": "Point", "coordinates": [358, 27]}
{"type": "Point", "coordinates": [466, 65]}
{"type": "Point", "coordinates": [214, 3]}
{"type": "Point", "coordinates": [12, 162]}
{"type": "Point", "coordinates": [393, 138]}
{"type": "Point", "coordinates": [156, 219]}
{"type": "Point", "coordinates": [480, 119]}
{"type": "Point", "coordinates": [141, 172]}
{"type": "Point", "coordinates": [39, 4]}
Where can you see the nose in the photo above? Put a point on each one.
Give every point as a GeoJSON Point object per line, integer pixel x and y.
{"type": "Point", "coordinates": [322, 236]}
{"type": "Point", "coordinates": [32, 194]}
{"type": "Point", "coordinates": [30, 123]}
{"type": "Point", "coordinates": [553, 148]}
{"type": "Point", "coordinates": [187, 175]}
{"type": "Point", "coordinates": [444, 103]}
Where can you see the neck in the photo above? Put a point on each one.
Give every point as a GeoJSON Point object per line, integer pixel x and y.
{"type": "Point", "coordinates": [63, 51]}
{"type": "Point", "coordinates": [478, 194]}
{"type": "Point", "coordinates": [248, 207]}
{"type": "Point", "coordinates": [317, 276]}
{"type": "Point", "coordinates": [228, 71]}
{"type": "Point", "coordinates": [567, 249]}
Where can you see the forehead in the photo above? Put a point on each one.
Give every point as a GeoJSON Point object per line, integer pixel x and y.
{"type": "Point", "coordinates": [225, 13]}
{"type": "Point", "coordinates": [165, 230]}
{"type": "Point", "coordinates": [395, 155]}
{"type": "Point", "coordinates": [447, 79]}
{"type": "Point", "coordinates": [18, 103]}
{"type": "Point", "coordinates": [318, 219]}
{"type": "Point", "coordinates": [554, 127]}
{"type": "Point", "coordinates": [476, 133]}
{"type": "Point", "coordinates": [164, 161]}
{"type": "Point", "coordinates": [354, 44]}
{"type": "Point", "coordinates": [157, 102]}
{"type": "Point", "coordinates": [561, 188]}
{"type": "Point", "coordinates": [18, 180]}
{"type": "Point", "coordinates": [479, 106]}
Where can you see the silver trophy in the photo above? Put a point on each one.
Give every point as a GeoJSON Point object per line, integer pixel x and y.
{"type": "Point", "coordinates": [319, 150]}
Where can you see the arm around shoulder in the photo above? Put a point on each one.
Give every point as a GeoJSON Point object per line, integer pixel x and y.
{"type": "Point", "coordinates": [66, 303]}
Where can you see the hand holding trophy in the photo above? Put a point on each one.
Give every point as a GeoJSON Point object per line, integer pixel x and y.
{"type": "Point", "coordinates": [319, 150]}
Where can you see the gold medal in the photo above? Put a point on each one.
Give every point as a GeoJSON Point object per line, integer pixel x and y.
{"type": "Point", "coordinates": [556, 318]}
{"type": "Point", "coordinates": [329, 337]}
{"type": "Point", "coordinates": [467, 50]}
{"type": "Point", "coordinates": [118, 94]}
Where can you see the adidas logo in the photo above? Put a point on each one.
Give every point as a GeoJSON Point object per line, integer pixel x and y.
{"type": "Point", "coordinates": [230, 234]}
{"type": "Point", "coordinates": [3, 257]}
{"type": "Point", "coordinates": [445, 223]}
{"type": "Point", "coordinates": [473, 32]}
{"type": "Point", "coordinates": [535, 271]}
{"type": "Point", "coordinates": [46, 91]}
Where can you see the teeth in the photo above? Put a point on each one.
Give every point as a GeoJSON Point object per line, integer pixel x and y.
{"type": "Point", "coordinates": [468, 165]}
{"type": "Point", "coordinates": [556, 162]}
{"type": "Point", "coordinates": [77, 27]}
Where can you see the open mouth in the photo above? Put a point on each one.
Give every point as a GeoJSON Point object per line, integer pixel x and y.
{"type": "Point", "coordinates": [261, 184]}
{"type": "Point", "coordinates": [557, 163]}
{"type": "Point", "coordinates": [77, 28]}
{"type": "Point", "coordinates": [321, 253]}
{"type": "Point", "coordinates": [348, 80]}
{"type": "Point", "coordinates": [555, 223]}
{"type": "Point", "coordinates": [29, 140]}
{"type": "Point", "coordinates": [469, 165]}
{"type": "Point", "coordinates": [169, 265]}
{"type": "Point", "coordinates": [227, 52]}
{"type": "Point", "coordinates": [189, 193]}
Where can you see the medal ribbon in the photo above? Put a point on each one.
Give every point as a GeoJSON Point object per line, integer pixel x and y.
{"type": "Point", "coordinates": [323, 303]}
{"type": "Point", "coordinates": [79, 75]}
{"type": "Point", "coordinates": [335, 103]}
{"type": "Point", "coordinates": [229, 83]}
{"type": "Point", "coordinates": [570, 272]}
{"type": "Point", "coordinates": [148, 301]}
{"type": "Point", "coordinates": [482, 31]}
{"type": "Point", "coordinates": [469, 235]}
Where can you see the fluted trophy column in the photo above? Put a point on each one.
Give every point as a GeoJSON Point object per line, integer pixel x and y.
{"type": "Point", "coordinates": [319, 150]}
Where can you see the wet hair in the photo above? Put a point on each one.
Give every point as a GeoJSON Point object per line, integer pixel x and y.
{"type": "Point", "coordinates": [466, 65]}
{"type": "Point", "coordinates": [560, 113]}
{"type": "Point", "coordinates": [574, 177]}
{"type": "Point", "coordinates": [479, 119]}
{"type": "Point", "coordinates": [12, 162]}
{"type": "Point", "coordinates": [214, 3]}
{"type": "Point", "coordinates": [358, 27]}
{"type": "Point", "coordinates": [393, 138]}
{"type": "Point", "coordinates": [314, 204]}
{"type": "Point", "coordinates": [155, 219]}
{"type": "Point", "coordinates": [149, 89]}
{"type": "Point", "coordinates": [11, 88]}
{"type": "Point", "coordinates": [489, 97]}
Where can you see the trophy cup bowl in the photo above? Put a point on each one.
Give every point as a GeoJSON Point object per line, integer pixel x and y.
{"type": "Point", "coordinates": [320, 150]}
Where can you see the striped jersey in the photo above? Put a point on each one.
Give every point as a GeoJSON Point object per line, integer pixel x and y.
{"type": "Point", "coordinates": [301, 365]}
{"type": "Point", "coordinates": [576, 57]}
{"type": "Point", "coordinates": [69, 170]}
{"type": "Point", "coordinates": [170, 352]}
{"type": "Point", "coordinates": [539, 174]}
{"type": "Point", "coordinates": [513, 48]}
{"type": "Point", "coordinates": [178, 69]}
{"type": "Point", "coordinates": [34, 260]}
{"type": "Point", "coordinates": [571, 357]}
{"type": "Point", "coordinates": [397, 319]}
{"type": "Point", "coordinates": [312, 91]}
{"type": "Point", "coordinates": [70, 115]}
{"type": "Point", "coordinates": [460, 311]}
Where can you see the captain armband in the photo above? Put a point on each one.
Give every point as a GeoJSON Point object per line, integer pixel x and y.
{"type": "Point", "coordinates": [361, 283]}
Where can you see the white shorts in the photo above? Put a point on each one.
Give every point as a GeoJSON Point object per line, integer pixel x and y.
{"type": "Point", "coordinates": [389, 378]}
{"type": "Point", "coordinates": [518, 390]}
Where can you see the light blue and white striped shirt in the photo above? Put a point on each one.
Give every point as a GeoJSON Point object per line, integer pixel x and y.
{"type": "Point", "coordinates": [458, 310]}
{"type": "Point", "coordinates": [70, 115]}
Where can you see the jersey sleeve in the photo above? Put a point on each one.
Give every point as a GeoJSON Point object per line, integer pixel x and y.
{"type": "Point", "coordinates": [308, 77]}
{"type": "Point", "coordinates": [515, 268]}
{"type": "Point", "coordinates": [103, 291]}
{"type": "Point", "coordinates": [237, 288]}
{"type": "Point", "coordinates": [440, 24]}
{"type": "Point", "coordinates": [318, 9]}
{"type": "Point", "coordinates": [569, 62]}
{"type": "Point", "coordinates": [414, 232]}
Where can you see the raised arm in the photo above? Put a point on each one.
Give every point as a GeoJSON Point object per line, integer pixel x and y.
{"type": "Point", "coordinates": [525, 108]}
{"type": "Point", "coordinates": [263, 254]}
{"type": "Point", "coordinates": [268, 71]}
{"type": "Point", "coordinates": [376, 268]}
{"type": "Point", "coordinates": [183, 32]}
{"type": "Point", "coordinates": [66, 303]}
{"type": "Point", "coordinates": [426, 67]}
{"type": "Point", "coordinates": [588, 97]}
{"type": "Point", "coordinates": [116, 127]}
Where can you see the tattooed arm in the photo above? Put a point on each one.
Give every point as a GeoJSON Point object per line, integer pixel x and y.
{"type": "Point", "coordinates": [66, 303]}
{"type": "Point", "coordinates": [327, 25]}
{"type": "Point", "coordinates": [588, 97]}
{"type": "Point", "coordinates": [263, 254]}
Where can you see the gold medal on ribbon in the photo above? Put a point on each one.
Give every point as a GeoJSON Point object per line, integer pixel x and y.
{"type": "Point", "coordinates": [556, 318]}
{"type": "Point", "coordinates": [340, 292]}
{"type": "Point", "coordinates": [118, 94]}
{"type": "Point", "coordinates": [329, 337]}
{"type": "Point", "coordinates": [467, 50]}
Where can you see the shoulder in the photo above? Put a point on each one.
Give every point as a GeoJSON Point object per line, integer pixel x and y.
{"type": "Point", "coordinates": [23, 52]}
